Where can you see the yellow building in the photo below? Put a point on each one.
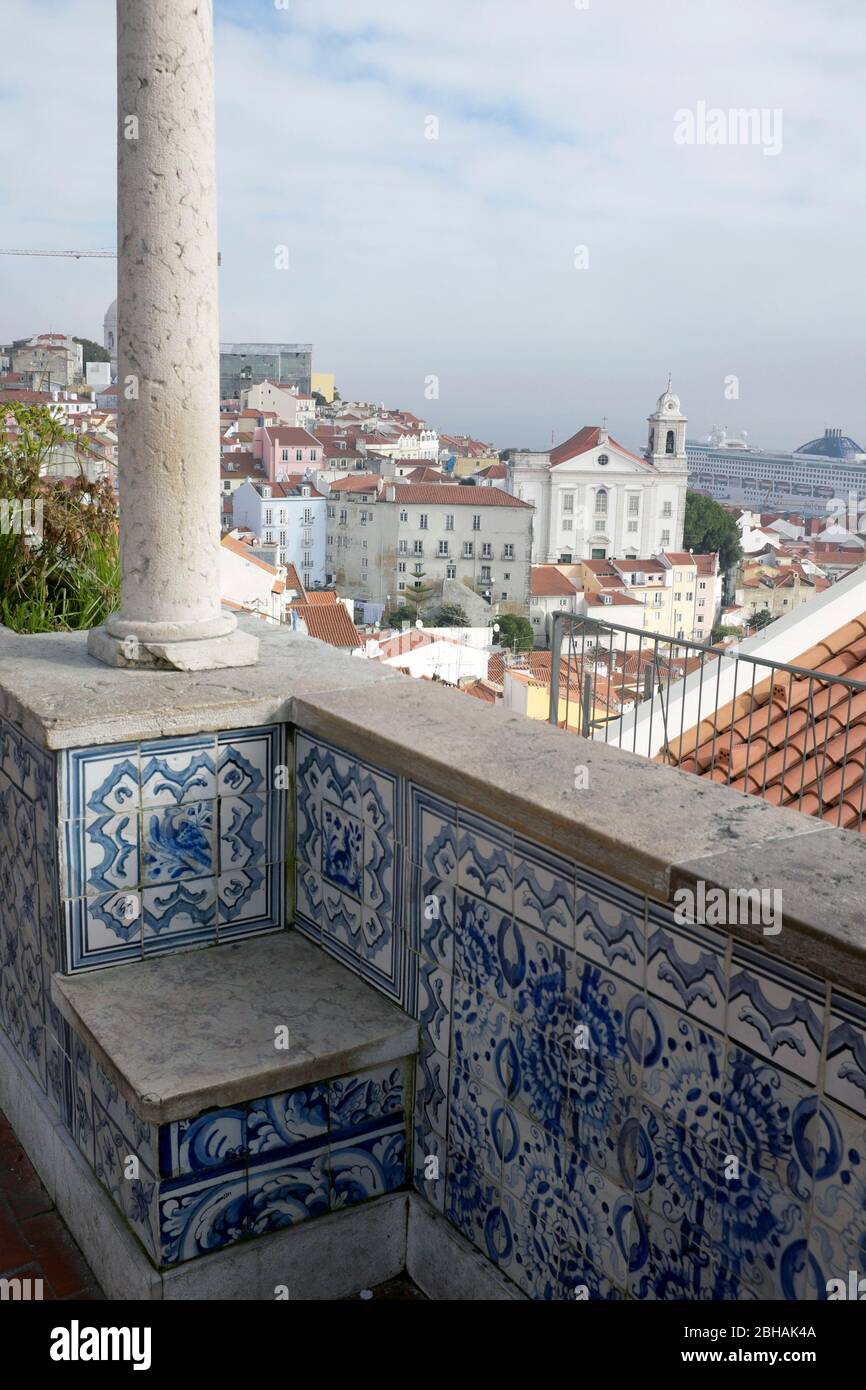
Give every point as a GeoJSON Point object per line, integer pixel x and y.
{"type": "Point", "coordinates": [323, 382]}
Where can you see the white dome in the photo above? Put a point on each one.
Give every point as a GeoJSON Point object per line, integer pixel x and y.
{"type": "Point", "coordinates": [110, 320]}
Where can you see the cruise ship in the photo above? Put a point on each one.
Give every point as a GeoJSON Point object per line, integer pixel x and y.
{"type": "Point", "coordinates": [827, 475]}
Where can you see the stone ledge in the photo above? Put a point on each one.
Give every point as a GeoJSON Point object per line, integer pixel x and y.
{"type": "Point", "coordinates": [186, 1032]}
{"type": "Point", "coordinates": [650, 827]}
{"type": "Point", "coordinates": [63, 698]}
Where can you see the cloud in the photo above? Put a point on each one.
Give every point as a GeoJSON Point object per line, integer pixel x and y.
{"type": "Point", "coordinates": [455, 256]}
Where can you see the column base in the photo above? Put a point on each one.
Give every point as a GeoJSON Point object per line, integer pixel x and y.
{"type": "Point", "coordinates": [205, 654]}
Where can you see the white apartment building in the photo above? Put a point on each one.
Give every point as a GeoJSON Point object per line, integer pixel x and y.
{"type": "Point", "coordinates": [388, 540]}
{"type": "Point", "coordinates": [595, 499]}
{"type": "Point", "coordinates": [290, 405]}
{"type": "Point", "coordinates": [289, 515]}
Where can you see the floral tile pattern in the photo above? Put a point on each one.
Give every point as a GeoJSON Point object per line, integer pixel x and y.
{"type": "Point", "coordinates": [608, 1103]}
{"type": "Point", "coordinates": [30, 934]}
{"type": "Point", "coordinates": [233, 1174]}
{"type": "Point", "coordinates": [172, 843]}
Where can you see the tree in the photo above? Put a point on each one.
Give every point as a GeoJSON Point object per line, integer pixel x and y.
{"type": "Point", "coordinates": [722, 630]}
{"type": "Point", "coordinates": [451, 615]}
{"type": "Point", "coordinates": [515, 632]}
{"type": "Point", "coordinates": [396, 617]}
{"type": "Point", "coordinates": [59, 557]}
{"type": "Point", "coordinates": [708, 527]}
{"type": "Point", "coordinates": [93, 352]}
{"type": "Point", "coordinates": [762, 619]}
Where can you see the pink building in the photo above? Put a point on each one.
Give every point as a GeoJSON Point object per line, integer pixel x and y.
{"type": "Point", "coordinates": [285, 449]}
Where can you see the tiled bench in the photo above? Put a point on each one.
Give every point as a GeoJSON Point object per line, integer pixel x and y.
{"type": "Point", "coordinates": [226, 1094]}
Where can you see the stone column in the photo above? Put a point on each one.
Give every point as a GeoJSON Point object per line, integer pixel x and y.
{"type": "Point", "coordinates": [168, 347]}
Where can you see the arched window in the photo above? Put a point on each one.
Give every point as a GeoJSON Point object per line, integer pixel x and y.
{"type": "Point", "coordinates": [652, 441]}
{"type": "Point", "coordinates": [670, 446]}
{"type": "Point", "coordinates": [601, 502]}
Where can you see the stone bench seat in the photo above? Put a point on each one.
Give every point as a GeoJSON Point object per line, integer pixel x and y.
{"type": "Point", "coordinates": [182, 1033]}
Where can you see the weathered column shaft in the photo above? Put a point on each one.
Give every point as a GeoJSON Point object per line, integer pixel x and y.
{"type": "Point", "coordinates": [168, 345]}
{"type": "Point", "coordinates": [167, 312]}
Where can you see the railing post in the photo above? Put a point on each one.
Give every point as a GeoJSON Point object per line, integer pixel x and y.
{"type": "Point", "coordinates": [555, 661]}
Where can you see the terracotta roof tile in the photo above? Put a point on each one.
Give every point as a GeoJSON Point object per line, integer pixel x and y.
{"type": "Point", "coordinates": [796, 739]}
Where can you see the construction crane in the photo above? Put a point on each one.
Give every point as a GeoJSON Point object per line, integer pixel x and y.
{"type": "Point", "coordinates": [104, 255]}
{"type": "Point", "coordinates": [77, 255]}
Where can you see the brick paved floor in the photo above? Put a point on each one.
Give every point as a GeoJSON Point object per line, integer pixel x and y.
{"type": "Point", "coordinates": [34, 1242]}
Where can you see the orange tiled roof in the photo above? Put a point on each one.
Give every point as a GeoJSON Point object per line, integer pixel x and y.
{"type": "Point", "coordinates": [794, 741]}
{"type": "Point", "coordinates": [329, 623]}
{"type": "Point", "coordinates": [548, 581]}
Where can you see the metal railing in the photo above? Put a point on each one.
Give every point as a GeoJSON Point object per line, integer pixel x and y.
{"type": "Point", "coordinates": [795, 736]}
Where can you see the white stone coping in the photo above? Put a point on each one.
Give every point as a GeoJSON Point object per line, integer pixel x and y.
{"type": "Point", "coordinates": [647, 826]}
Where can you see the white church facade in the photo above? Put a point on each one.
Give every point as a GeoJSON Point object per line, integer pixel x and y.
{"type": "Point", "coordinates": [594, 499]}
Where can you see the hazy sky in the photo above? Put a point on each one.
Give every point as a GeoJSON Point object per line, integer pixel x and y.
{"type": "Point", "coordinates": [455, 257]}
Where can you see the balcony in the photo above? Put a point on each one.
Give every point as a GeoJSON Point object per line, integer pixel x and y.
{"type": "Point", "coordinates": [499, 1023]}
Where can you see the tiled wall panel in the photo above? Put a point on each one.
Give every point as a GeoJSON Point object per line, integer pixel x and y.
{"type": "Point", "coordinates": [606, 1100]}
{"type": "Point", "coordinates": [171, 843]}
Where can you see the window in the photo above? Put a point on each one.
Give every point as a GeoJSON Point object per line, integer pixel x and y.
{"type": "Point", "coordinates": [332, 511]}
{"type": "Point", "coordinates": [416, 569]}
{"type": "Point", "coordinates": [314, 453]}
{"type": "Point", "coordinates": [269, 515]}
{"type": "Point", "coordinates": [508, 551]}
{"type": "Point", "coordinates": [282, 538]}
{"type": "Point", "coordinates": [702, 584]}
{"type": "Point", "coordinates": [344, 516]}
{"type": "Point", "coordinates": [450, 571]}
{"type": "Point", "coordinates": [667, 509]}
{"type": "Point", "coordinates": [603, 460]}
{"type": "Point", "coordinates": [476, 521]}
{"type": "Point", "coordinates": [507, 574]}
{"type": "Point", "coordinates": [227, 487]}
{"type": "Point", "coordinates": [467, 550]}
{"type": "Point", "coordinates": [285, 456]}
{"type": "Point", "coordinates": [404, 516]}
{"type": "Point", "coordinates": [701, 602]}
{"type": "Point", "coordinates": [363, 518]}
{"type": "Point", "coordinates": [504, 594]}
{"type": "Point", "coordinates": [449, 521]}
{"type": "Point", "coordinates": [422, 521]}
{"type": "Point", "coordinates": [485, 574]}
{"type": "Point", "coordinates": [568, 502]}
{"type": "Point", "coordinates": [632, 526]}
{"type": "Point", "coordinates": [486, 550]}
{"type": "Point", "coordinates": [364, 563]}
{"type": "Point", "coordinates": [670, 448]}
{"type": "Point", "coordinates": [666, 537]}
{"type": "Point", "coordinates": [678, 596]}
{"type": "Point", "coordinates": [634, 504]}
{"type": "Point", "coordinates": [689, 595]}
{"type": "Point", "coordinates": [308, 516]}
{"type": "Point", "coordinates": [402, 547]}
{"type": "Point", "coordinates": [401, 567]}
{"type": "Point", "coordinates": [401, 584]}
{"type": "Point", "coordinates": [601, 502]}
{"type": "Point", "coordinates": [597, 554]}
{"type": "Point", "coordinates": [269, 538]}
{"type": "Point", "coordinates": [299, 455]}
{"type": "Point", "coordinates": [566, 523]}
{"type": "Point", "coordinates": [443, 548]}
{"type": "Point", "coordinates": [418, 548]}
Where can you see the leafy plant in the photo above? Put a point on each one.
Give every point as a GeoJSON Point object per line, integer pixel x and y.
{"type": "Point", "coordinates": [63, 572]}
